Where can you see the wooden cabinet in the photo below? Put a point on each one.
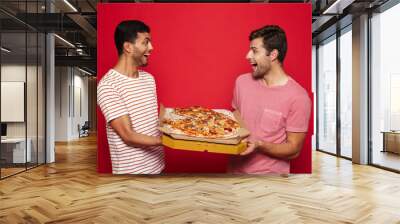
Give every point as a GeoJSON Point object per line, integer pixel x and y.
{"type": "Point", "coordinates": [391, 141]}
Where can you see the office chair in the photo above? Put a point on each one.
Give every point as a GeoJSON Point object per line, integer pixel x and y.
{"type": "Point", "coordinates": [84, 130]}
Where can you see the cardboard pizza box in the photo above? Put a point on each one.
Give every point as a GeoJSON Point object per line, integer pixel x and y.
{"type": "Point", "coordinates": [203, 146]}
{"type": "Point", "coordinates": [183, 142]}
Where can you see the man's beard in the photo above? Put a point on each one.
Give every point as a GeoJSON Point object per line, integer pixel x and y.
{"type": "Point", "coordinates": [259, 73]}
{"type": "Point", "coordinates": [139, 61]}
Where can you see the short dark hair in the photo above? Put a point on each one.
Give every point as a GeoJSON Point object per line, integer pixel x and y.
{"type": "Point", "coordinates": [273, 38]}
{"type": "Point", "coordinates": [127, 31]}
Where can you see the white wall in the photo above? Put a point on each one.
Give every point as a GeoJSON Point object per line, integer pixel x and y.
{"type": "Point", "coordinates": [62, 80]}
{"type": "Point", "coordinates": [13, 73]}
{"type": "Point", "coordinates": [33, 127]}
{"type": "Point", "coordinates": [81, 102]}
{"type": "Point", "coordinates": [71, 94]}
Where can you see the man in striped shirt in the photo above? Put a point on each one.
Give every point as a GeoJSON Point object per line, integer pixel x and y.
{"type": "Point", "coordinates": [127, 97]}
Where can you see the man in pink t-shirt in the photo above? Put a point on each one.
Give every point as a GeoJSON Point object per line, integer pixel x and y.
{"type": "Point", "coordinates": [273, 106]}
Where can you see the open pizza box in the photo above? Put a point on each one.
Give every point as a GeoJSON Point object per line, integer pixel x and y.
{"type": "Point", "coordinates": [226, 145]}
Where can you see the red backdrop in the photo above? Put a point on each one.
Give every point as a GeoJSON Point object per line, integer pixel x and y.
{"type": "Point", "coordinates": [199, 50]}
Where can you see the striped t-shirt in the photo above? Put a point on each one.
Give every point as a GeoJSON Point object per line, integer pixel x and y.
{"type": "Point", "coordinates": [119, 95]}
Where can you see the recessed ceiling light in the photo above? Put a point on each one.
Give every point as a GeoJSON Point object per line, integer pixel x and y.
{"type": "Point", "coordinates": [84, 71]}
{"type": "Point", "coordinates": [337, 7]}
{"type": "Point", "coordinates": [5, 50]}
{"type": "Point", "coordinates": [70, 5]}
{"type": "Point", "coordinates": [64, 40]}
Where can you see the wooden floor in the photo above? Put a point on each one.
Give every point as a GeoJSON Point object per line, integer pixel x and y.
{"type": "Point", "coordinates": [5, 172]}
{"type": "Point", "coordinates": [70, 191]}
{"type": "Point", "coordinates": [387, 159]}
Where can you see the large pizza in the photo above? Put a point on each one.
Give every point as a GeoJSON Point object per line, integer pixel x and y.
{"type": "Point", "coordinates": [201, 122]}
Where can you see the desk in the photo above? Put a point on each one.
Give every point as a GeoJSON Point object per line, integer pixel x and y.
{"type": "Point", "coordinates": [15, 148]}
{"type": "Point", "coordinates": [391, 141]}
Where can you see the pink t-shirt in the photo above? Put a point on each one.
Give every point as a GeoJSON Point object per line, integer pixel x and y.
{"type": "Point", "coordinates": [268, 113]}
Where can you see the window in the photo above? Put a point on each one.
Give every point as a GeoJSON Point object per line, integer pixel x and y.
{"type": "Point", "coordinates": [22, 75]}
{"type": "Point", "coordinates": [385, 89]}
{"type": "Point", "coordinates": [327, 96]}
{"type": "Point", "coordinates": [346, 93]}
